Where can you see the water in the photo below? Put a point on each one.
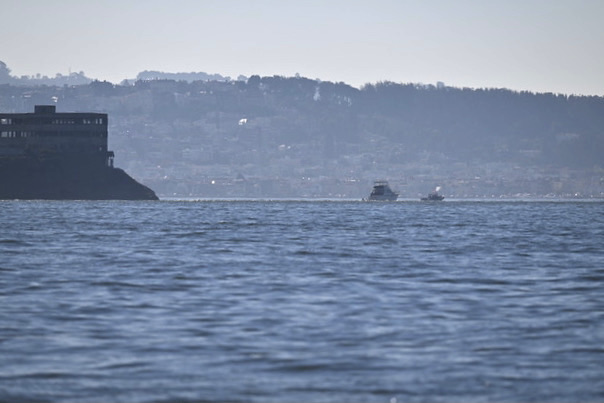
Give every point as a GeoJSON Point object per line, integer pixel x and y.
{"type": "Point", "coordinates": [291, 301]}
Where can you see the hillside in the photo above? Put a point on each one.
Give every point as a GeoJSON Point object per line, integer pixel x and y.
{"type": "Point", "coordinates": [297, 137]}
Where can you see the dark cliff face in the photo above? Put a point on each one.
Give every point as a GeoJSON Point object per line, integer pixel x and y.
{"type": "Point", "coordinates": [67, 179]}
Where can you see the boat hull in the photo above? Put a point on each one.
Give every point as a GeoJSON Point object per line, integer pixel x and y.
{"type": "Point", "coordinates": [433, 198]}
{"type": "Point", "coordinates": [383, 198]}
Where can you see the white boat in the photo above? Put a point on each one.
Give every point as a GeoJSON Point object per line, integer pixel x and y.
{"type": "Point", "coordinates": [434, 196]}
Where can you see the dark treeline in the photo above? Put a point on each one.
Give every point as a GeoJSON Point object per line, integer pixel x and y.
{"type": "Point", "coordinates": [498, 123]}
{"type": "Point", "coordinates": [189, 77]}
{"type": "Point", "coordinates": [73, 78]}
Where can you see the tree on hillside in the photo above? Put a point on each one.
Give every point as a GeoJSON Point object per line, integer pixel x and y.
{"type": "Point", "coordinates": [5, 77]}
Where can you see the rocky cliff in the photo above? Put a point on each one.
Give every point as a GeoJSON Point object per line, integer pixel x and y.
{"type": "Point", "coordinates": [30, 178]}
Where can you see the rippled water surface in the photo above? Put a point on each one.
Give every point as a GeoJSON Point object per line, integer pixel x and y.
{"type": "Point", "coordinates": [292, 301]}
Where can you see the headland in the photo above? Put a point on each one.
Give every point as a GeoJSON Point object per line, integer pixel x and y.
{"type": "Point", "coordinates": [61, 156]}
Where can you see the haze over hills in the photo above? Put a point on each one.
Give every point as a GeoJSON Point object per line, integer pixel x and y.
{"type": "Point", "coordinates": [201, 135]}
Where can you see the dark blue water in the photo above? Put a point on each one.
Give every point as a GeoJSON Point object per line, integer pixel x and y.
{"type": "Point", "coordinates": [284, 301]}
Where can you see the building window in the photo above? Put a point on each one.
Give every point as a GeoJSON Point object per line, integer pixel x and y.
{"type": "Point", "coordinates": [63, 121]}
{"type": "Point", "coordinates": [6, 121]}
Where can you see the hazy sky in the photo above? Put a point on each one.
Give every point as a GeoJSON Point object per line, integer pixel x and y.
{"type": "Point", "coordinates": [537, 45]}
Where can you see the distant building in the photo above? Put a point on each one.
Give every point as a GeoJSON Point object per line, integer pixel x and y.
{"type": "Point", "coordinates": [47, 133]}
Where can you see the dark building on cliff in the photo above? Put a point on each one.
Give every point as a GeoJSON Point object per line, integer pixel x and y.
{"type": "Point", "coordinates": [48, 133]}
{"type": "Point", "coordinates": [51, 155]}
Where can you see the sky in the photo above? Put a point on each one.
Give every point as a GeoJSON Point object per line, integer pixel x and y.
{"type": "Point", "coordinates": [534, 45]}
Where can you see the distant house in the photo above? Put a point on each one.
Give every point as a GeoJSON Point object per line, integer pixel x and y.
{"type": "Point", "coordinates": [46, 133]}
